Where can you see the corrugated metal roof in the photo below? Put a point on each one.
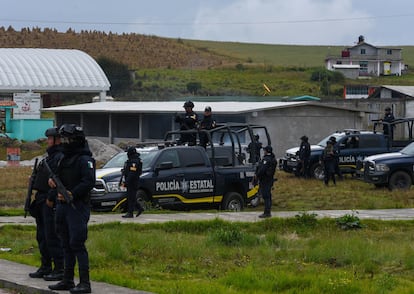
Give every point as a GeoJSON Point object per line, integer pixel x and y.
{"type": "Point", "coordinates": [177, 106]}
{"type": "Point", "coordinates": [406, 90]}
{"type": "Point", "coordinates": [53, 70]}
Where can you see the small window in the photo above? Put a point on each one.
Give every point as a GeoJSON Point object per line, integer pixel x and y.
{"type": "Point", "coordinates": [192, 157]}
{"type": "Point", "coordinates": [169, 156]}
{"type": "Point", "coordinates": [389, 51]}
{"type": "Point", "coordinates": [363, 51]}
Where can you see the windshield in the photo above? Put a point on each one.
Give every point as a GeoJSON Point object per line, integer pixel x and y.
{"type": "Point", "coordinates": [119, 159]}
{"type": "Point", "coordinates": [408, 150]}
{"type": "Point", "coordinates": [323, 142]}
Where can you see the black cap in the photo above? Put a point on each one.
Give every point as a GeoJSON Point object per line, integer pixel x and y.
{"type": "Point", "coordinates": [268, 149]}
{"type": "Point", "coordinates": [131, 150]}
{"type": "Point", "coordinates": [188, 104]}
{"type": "Point", "coordinates": [52, 132]}
{"type": "Point", "coordinates": [304, 138]}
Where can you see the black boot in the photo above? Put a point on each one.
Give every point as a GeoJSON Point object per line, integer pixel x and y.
{"type": "Point", "coordinates": [128, 215]}
{"type": "Point", "coordinates": [140, 210]}
{"type": "Point", "coordinates": [62, 285]}
{"type": "Point", "coordinates": [41, 272]}
{"type": "Point", "coordinates": [55, 275]}
{"type": "Point", "coordinates": [67, 282]}
{"type": "Point", "coordinates": [84, 285]}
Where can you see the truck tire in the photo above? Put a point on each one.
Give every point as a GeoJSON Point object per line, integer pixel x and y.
{"type": "Point", "coordinates": [317, 171]}
{"type": "Point", "coordinates": [400, 180]}
{"type": "Point", "coordinates": [232, 201]}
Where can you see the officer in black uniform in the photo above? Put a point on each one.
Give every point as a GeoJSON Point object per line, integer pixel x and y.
{"type": "Point", "coordinates": [207, 123]}
{"type": "Point", "coordinates": [304, 153]}
{"type": "Point", "coordinates": [43, 210]}
{"type": "Point", "coordinates": [254, 148]}
{"type": "Point", "coordinates": [188, 122]}
{"type": "Point", "coordinates": [131, 171]}
{"type": "Point", "coordinates": [76, 170]}
{"type": "Point", "coordinates": [265, 172]}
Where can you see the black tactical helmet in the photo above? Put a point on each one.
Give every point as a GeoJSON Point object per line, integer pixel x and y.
{"type": "Point", "coordinates": [52, 132]}
{"type": "Point", "coordinates": [268, 149]}
{"type": "Point", "coordinates": [131, 151]}
{"type": "Point", "coordinates": [188, 104]}
{"type": "Point", "coordinates": [72, 131]}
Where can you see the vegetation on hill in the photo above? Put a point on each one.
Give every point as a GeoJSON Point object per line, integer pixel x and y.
{"type": "Point", "coordinates": [169, 68]}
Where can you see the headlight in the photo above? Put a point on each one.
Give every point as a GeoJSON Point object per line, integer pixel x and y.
{"type": "Point", "coordinates": [114, 187]}
{"type": "Point", "coordinates": [381, 167]}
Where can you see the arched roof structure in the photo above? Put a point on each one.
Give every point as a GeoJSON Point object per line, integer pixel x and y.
{"type": "Point", "coordinates": [50, 70]}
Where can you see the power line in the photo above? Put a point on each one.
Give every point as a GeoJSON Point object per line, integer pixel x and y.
{"type": "Point", "coordinates": [185, 23]}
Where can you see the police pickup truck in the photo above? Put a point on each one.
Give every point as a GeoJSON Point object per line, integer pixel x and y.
{"type": "Point", "coordinates": [354, 146]}
{"type": "Point", "coordinates": [393, 170]}
{"type": "Point", "coordinates": [185, 177]}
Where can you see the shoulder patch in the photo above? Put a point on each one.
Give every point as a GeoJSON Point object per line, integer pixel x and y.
{"type": "Point", "coordinates": [90, 164]}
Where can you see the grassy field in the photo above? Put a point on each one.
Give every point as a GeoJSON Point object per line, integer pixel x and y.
{"type": "Point", "coordinates": [296, 255]}
{"type": "Point", "coordinates": [282, 55]}
{"type": "Point", "coordinates": [289, 193]}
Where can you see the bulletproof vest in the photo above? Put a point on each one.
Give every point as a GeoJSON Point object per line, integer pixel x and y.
{"type": "Point", "coordinates": [40, 183]}
{"type": "Point", "coordinates": [69, 172]}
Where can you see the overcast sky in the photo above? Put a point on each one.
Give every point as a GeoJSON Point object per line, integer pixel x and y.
{"type": "Point", "coordinates": [304, 22]}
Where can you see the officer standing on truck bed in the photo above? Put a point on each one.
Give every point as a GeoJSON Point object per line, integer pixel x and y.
{"type": "Point", "coordinates": [389, 118]}
{"type": "Point", "coordinates": [207, 123]}
{"type": "Point", "coordinates": [265, 175]}
{"type": "Point", "coordinates": [189, 121]}
{"type": "Point", "coordinates": [76, 171]}
{"type": "Point", "coordinates": [43, 210]}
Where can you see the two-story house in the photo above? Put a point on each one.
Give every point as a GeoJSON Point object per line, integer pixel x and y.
{"type": "Point", "coordinates": [365, 59]}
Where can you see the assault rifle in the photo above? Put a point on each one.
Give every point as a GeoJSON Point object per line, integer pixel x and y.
{"type": "Point", "coordinates": [59, 186]}
{"type": "Point", "coordinates": [30, 189]}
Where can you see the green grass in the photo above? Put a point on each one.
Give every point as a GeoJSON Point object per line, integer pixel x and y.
{"type": "Point", "coordinates": [282, 55]}
{"type": "Point", "coordinates": [272, 256]}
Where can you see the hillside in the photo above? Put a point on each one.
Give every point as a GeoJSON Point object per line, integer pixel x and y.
{"type": "Point", "coordinates": [165, 67]}
{"type": "Point", "coordinates": [134, 50]}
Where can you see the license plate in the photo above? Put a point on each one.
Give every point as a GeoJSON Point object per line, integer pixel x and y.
{"type": "Point", "coordinates": [108, 203]}
{"type": "Point", "coordinates": [291, 163]}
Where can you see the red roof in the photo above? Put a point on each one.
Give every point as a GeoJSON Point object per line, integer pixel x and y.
{"type": "Point", "coordinates": [7, 103]}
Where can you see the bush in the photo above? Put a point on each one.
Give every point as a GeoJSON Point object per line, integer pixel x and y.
{"type": "Point", "coordinates": [349, 222]}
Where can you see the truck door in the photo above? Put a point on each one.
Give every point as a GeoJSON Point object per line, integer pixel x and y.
{"type": "Point", "coordinates": [198, 176]}
{"type": "Point", "coordinates": [168, 176]}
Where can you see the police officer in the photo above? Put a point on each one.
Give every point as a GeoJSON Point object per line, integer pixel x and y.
{"type": "Point", "coordinates": [76, 171]}
{"type": "Point", "coordinates": [265, 175]}
{"type": "Point", "coordinates": [388, 118]}
{"type": "Point", "coordinates": [207, 123]}
{"type": "Point", "coordinates": [254, 148]}
{"type": "Point", "coordinates": [131, 171]}
{"type": "Point", "coordinates": [304, 157]}
{"type": "Point", "coordinates": [188, 122]}
{"type": "Point", "coordinates": [50, 247]}
{"type": "Point", "coordinates": [337, 152]}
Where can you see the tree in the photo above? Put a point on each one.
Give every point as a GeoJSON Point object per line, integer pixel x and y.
{"type": "Point", "coordinates": [117, 74]}
{"type": "Point", "coordinates": [193, 87]}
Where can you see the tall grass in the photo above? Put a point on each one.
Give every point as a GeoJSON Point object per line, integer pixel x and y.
{"type": "Point", "coordinates": [296, 255]}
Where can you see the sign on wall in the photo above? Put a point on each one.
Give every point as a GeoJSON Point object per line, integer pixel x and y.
{"type": "Point", "coordinates": [28, 105]}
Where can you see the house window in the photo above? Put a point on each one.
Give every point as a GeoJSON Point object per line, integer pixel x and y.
{"type": "Point", "coordinates": [389, 51]}
{"type": "Point", "coordinates": [363, 51]}
{"type": "Point", "coordinates": [363, 67]}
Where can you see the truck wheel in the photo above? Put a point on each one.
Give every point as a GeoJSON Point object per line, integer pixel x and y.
{"type": "Point", "coordinates": [232, 201]}
{"type": "Point", "coordinates": [318, 171]}
{"type": "Point", "coordinates": [400, 180]}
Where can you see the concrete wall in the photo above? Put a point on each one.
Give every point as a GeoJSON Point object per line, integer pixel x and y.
{"type": "Point", "coordinates": [29, 129]}
{"type": "Point", "coordinates": [286, 126]}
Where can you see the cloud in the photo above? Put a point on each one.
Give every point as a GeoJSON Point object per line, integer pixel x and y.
{"type": "Point", "coordinates": [307, 22]}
